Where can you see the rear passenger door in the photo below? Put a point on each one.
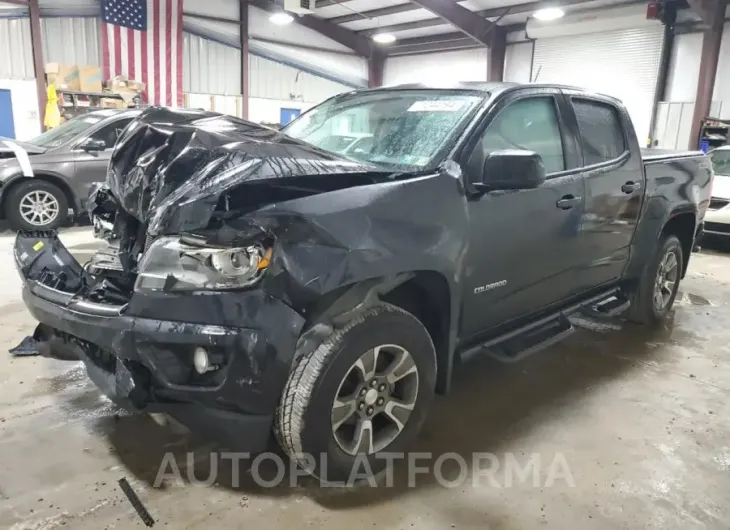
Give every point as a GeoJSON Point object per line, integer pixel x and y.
{"type": "Point", "coordinates": [614, 179]}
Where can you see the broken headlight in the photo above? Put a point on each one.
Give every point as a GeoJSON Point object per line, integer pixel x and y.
{"type": "Point", "coordinates": [171, 265]}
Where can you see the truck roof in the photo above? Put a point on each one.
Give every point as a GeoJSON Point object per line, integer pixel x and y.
{"type": "Point", "coordinates": [652, 154]}
{"type": "Point", "coordinates": [479, 86]}
{"type": "Point", "coordinates": [487, 87]}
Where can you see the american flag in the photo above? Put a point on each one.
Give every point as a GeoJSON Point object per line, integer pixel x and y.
{"type": "Point", "coordinates": [142, 39]}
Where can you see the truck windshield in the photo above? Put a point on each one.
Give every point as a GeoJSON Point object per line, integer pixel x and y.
{"type": "Point", "coordinates": [401, 129]}
{"type": "Point", "coordinates": [66, 132]}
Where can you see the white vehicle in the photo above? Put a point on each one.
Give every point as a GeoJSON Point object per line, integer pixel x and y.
{"type": "Point", "coordinates": [717, 218]}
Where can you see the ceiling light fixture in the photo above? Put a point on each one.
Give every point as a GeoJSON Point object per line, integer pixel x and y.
{"type": "Point", "coordinates": [549, 13]}
{"type": "Point", "coordinates": [281, 19]}
{"type": "Point", "coordinates": [384, 38]}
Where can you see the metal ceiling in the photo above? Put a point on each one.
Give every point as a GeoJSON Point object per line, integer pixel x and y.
{"type": "Point", "coordinates": [418, 29]}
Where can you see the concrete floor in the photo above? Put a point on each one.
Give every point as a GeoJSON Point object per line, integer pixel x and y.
{"type": "Point", "coordinates": [641, 418]}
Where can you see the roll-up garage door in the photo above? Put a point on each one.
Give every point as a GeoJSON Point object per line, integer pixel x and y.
{"type": "Point", "coordinates": [623, 64]}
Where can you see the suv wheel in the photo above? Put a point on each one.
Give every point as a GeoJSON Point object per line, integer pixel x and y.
{"type": "Point", "coordinates": [658, 286]}
{"type": "Point", "coordinates": [364, 392]}
{"type": "Point", "coordinates": [36, 205]}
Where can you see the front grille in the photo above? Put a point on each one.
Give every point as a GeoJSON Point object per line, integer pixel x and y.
{"type": "Point", "coordinates": [717, 227]}
{"type": "Point", "coordinates": [716, 204]}
{"type": "Point", "coordinates": [102, 358]}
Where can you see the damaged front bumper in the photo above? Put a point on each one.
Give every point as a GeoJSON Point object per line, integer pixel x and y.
{"type": "Point", "coordinates": [141, 354]}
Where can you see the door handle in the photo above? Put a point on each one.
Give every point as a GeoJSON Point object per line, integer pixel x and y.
{"type": "Point", "coordinates": [567, 202]}
{"type": "Point", "coordinates": [630, 187]}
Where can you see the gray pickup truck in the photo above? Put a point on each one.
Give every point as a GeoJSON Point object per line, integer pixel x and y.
{"type": "Point", "coordinates": [255, 281]}
{"type": "Point", "coordinates": [43, 178]}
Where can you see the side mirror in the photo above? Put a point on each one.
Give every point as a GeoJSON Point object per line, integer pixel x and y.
{"type": "Point", "coordinates": [512, 170]}
{"type": "Point", "coordinates": [93, 144]}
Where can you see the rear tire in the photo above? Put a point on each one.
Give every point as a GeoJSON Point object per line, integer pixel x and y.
{"type": "Point", "coordinates": [660, 280]}
{"type": "Point", "coordinates": [52, 206]}
{"type": "Point", "coordinates": [321, 382]}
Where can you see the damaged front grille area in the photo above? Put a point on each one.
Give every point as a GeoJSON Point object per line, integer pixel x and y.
{"type": "Point", "coordinates": [101, 358]}
{"type": "Point", "coordinates": [114, 266]}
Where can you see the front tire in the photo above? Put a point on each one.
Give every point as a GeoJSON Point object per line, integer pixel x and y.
{"type": "Point", "coordinates": [36, 205]}
{"type": "Point", "coordinates": [363, 392]}
{"type": "Point", "coordinates": [658, 286]}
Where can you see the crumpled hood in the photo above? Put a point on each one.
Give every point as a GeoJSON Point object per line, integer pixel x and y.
{"type": "Point", "coordinates": [171, 167]}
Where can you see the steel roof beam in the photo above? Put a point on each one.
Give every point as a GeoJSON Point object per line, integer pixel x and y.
{"type": "Point", "coordinates": [468, 22]}
{"type": "Point", "coordinates": [360, 44]}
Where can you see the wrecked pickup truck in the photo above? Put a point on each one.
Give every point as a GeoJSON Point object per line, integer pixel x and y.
{"type": "Point", "coordinates": [255, 280]}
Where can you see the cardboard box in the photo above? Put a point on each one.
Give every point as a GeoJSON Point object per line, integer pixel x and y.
{"type": "Point", "coordinates": [112, 103]}
{"type": "Point", "coordinates": [135, 85]}
{"type": "Point", "coordinates": [116, 83]}
{"type": "Point", "coordinates": [90, 78]}
{"type": "Point", "coordinates": [64, 76]}
{"type": "Point", "coordinates": [127, 94]}
{"type": "Point", "coordinates": [122, 83]}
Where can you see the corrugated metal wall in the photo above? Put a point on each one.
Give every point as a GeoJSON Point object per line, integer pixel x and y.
{"type": "Point", "coordinates": [65, 40]}
{"type": "Point", "coordinates": [16, 57]}
{"type": "Point", "coordinates": [213, 68]}
{"type": "Point", "coordinates": [461, 65]}
{"type": "Point", "coordinates": [71, 40]}
{"type": "Point", "coordinates": [273, 80]}
{"type": "Point", "coordinates": [210, 67]}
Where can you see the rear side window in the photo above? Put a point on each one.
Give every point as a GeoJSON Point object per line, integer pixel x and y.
{"type": "Point", "coordinates": [602, 136]}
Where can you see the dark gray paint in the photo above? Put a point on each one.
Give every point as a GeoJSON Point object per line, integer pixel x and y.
{"type": "Point", "coordinates": [347, 234]}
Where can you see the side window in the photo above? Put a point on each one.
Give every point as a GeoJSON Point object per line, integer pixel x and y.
{"type": "Point", "coordinates": [109, 133]}
{"type": "Point", "coordinates": [530, 124]}
{"type": "Point", "coordinates": [601, 132]}
{"type": "Point", "coordinates": [720, 161]}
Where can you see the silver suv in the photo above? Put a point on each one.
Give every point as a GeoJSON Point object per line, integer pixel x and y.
{"type": "Point", "coordinates": [43, 178]}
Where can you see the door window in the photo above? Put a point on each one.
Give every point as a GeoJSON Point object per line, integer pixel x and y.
{"type": "Point", "coordinates": [720, 161]}
{"type": "Point", "coordinates": [111, 132]}
{"type": "Point", "coordinates": [601, 133]}
{"type": "Point", "coordinates": [529, 124]}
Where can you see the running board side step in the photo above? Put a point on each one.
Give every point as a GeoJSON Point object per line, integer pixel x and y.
{"type": "Point", "coordinates": [519, 343]}
{"type": "Point", "coordinates": [519, 347]}
{"type": "Point", "coordinates": [610, 307]}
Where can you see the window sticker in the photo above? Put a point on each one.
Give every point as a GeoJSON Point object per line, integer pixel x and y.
{"type": "Point", "coordinates": [436, 106]}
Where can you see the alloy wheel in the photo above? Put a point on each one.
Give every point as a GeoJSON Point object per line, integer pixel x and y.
{"type": "Point", "coordinates": [39, 208]}
{"type": "Point", "coordinates": [375, 400]}
{"type": "Point", "coordinates": [666, 280]}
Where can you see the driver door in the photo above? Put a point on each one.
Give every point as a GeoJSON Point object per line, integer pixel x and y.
{"type": "Point", "coordinates": [90, 166]}
{"type": "Point", "coordinates": [525, 245]}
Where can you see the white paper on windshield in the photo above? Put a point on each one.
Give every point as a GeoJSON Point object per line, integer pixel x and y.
{"type": "Point", "coordinates": [436, 106]}
{"type": "Point", "coordinates": [22, 156]}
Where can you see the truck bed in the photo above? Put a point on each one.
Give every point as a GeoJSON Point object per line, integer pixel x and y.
{"type": "Point", "coordinates": [650, 155]}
